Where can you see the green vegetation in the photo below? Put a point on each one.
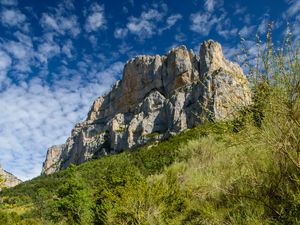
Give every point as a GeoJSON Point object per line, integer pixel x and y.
{"type": "Point", "coordinates": [245, 171]}
{"type": "Point", "coordinates": [153, 135]}
{"type": "Point", "coordinates": [121, 129]}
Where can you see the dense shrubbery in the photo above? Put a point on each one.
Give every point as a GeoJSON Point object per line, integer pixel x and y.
{"type": "Point", "coordinates": [245, 171]}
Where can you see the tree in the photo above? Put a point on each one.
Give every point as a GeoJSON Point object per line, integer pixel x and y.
{"type": "Point", "coordinates": [74, 201]}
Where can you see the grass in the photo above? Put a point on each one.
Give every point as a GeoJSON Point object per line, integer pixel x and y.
{"type": "Point", "coordinates": [244, 171]}
{"type": "Point", "coordinates": [153, 135]}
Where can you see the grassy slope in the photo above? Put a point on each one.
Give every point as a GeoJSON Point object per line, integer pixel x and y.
{"type": "Point", "coordinates": [148, 160]}
{"type": "Point", "coordinates": [110, 172]}
{"type": "Point", "coordinates": [207, 175]}
{"type": "Point", "coordinates": [246, 171]}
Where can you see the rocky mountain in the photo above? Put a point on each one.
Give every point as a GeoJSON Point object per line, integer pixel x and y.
{"type": "Point", "coordinates": [157, 97]}
{"type": "Point", "coordinates": [9, 179]}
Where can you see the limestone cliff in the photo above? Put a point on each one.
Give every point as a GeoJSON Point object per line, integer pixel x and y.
{"type": "Point", "coordinates": [9, 180]}
{"type": "Point", "coordinates": [158, 96]}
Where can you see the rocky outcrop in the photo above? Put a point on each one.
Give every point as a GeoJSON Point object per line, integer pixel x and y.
{"type": "Point", "coordinates": [158, 96]}
{"type": "Point", "coordinates": [9, 180]}
{"type": "Point", "coordinates": [52, 157]}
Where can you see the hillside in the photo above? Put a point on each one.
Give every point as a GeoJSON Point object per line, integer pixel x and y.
{"type": "Point", "coordinates": [245, 170]}
{"type": "Point", "coordinates": [157, 97]}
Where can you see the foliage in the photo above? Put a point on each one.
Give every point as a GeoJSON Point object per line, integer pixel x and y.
{"type": "Point", "coordinates": [73, 202]}
{"type": "Point", "coordinates": [13, 218]}
{"type": "Point", "coordinates": [244, 171]}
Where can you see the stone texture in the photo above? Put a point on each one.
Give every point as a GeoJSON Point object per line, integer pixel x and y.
{"type": "Point", "coordinates": [9, 179]}
{"type": "Point", "coordinates": [226, 89]}
{"type": "Point", "coordinates": [212, 59]}
{"type": "Point", "coordinates": [52, 158]}
{"type": "Point", "coordinates": [158, 96]}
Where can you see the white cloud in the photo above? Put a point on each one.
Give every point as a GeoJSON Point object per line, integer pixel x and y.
{"type": "Point", "coordinates": [61, 24]}
{"type": "Point", "coordinates": [296, 28]}
{"type": "Point", "coordinates": [93, 39]}
{"type": "Point", "coordinates": [49, 22]}
{"type": "Point", "coordinates": [263, 26]}
{"type": "Point", "coordinates": [171, 20]}
{"type": "Point", "coordinates": [145, 26]}
{"type": "Point", "coordinates": [5, 61]}
{"type": "Point", "coordinates": [239, 10]}
{"type": "Point", "coordinates": [70, 24]}
{"type": "Point", "coordinates": [149, 23]}
{"type": "Point", "coordinates": [49, 46]}
{"type": "Point", "coordinates": [152, 14]}
{"type": "Point", "coordinates": [227, 33]}
{"type": "Point", "coordinates": [68, 48]}
{"type": "Point", "coordinates": [95, 21]}
{"type": "Point", "coordinates": [247, 19]}
{"type": "Point", "coordinates": [120, 33]}
{"type": "Point", "coordinates": [202, 23]}
{"type": "Point", "coordinates": [236, 53]}
{"type": "Point", "coordinates": [22, 55]}
{"type": "Point", "coordinates": [124, 48]}
{"type": "Point", "coordinates": [246, 31]}
{"type": "Point", "coordinates": [225, 28]}
{"type": "Point", "coordinates": [230, 52]}
{"type": "Point", "coordinates": [292, 16]}
{"type": "Point", "coordinates": [12, 17]}
{"type": "Point", "coordinates": [35, 116]}
{"type": "Point", "coordinates": [142, 28]}
{"type": "Point", "coordinates": [18, 50]}
{"type": "Point", "coordinates": [61, 20]}
{"type": "Point", "coordinates": [210, 5]}
{"type": "Point", "coordinates": [47, 50]}
{"type": "Point", "coordinates": [9, 2]}
{"type": "Point", "coordinates": [294, 8]}
{"type": "Point", "coordinates": [96, 18]}
{"type": "Point", "coordinates": [24, 39]}
{"type": "Point", "coordinates": [180, 37]}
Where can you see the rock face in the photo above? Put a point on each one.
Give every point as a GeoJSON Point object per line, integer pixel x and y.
{"type": "Point", "coordinates": [52, 157]}
{"type": "Point", "coordinates": [158, 96]}
{"type": "Point", "coordinates": [9, 179]}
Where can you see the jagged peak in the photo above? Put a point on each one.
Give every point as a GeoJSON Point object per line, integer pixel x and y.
{"type": "Point", "coordinates": [176, 48]}
{"type": "Point", "coordinates": [124, 117]}
{"type": "Point", "coordinates": [212, 59]}
{"type": "Point", "coordinates": [141, 58]}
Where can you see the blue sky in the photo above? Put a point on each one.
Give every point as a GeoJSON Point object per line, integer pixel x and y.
{"type": "Point", "coordinates": [56, 57]}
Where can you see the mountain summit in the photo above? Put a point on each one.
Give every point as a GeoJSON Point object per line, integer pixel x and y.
{"type": "Point", "coordinates": [157, 97]}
